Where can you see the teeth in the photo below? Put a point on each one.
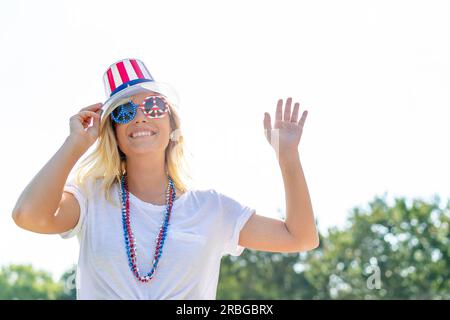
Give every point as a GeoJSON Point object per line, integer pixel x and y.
{"type": "Point", "coordinates": [142, 133]}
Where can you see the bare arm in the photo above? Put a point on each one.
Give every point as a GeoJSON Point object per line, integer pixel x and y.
{"type": "Point", "coordinates": [298, 232]}
{"type": "Point", "coordinates": [43, 207]}
{"type": "Point", "coordinates": [299, 212]}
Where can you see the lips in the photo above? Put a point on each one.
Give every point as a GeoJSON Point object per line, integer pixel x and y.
{"type": "Point", "coordinates": [142, 133]}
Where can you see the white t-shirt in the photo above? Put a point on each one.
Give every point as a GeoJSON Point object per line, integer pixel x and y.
{"type": "Point", "coordinates": [204, 225]}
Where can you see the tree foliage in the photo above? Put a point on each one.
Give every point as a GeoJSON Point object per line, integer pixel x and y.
{"type": "Point", "coordinates": [383, 252]}
{"type": "Point", "coordinates": [23, 282]}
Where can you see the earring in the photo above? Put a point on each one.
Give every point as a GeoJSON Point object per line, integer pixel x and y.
{"type": "Point", "coordinates": [175, 135]}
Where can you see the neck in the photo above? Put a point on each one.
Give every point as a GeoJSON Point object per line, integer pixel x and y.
{"type": "Point", "coordinates": [146, 177]}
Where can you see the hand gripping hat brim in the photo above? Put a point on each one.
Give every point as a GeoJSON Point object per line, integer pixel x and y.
{"type": "Point", "coordinates": [128, 77]}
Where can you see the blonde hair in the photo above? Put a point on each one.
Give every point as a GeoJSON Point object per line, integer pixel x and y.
{"type": "Point", "coordinates": [107, 162]}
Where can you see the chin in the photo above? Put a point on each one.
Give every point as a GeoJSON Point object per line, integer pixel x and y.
{"type": "Point", "coordinates": [143, 148]}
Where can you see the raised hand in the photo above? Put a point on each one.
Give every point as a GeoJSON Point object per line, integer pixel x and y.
{"type": "Point", "coordinates": [80, 131]}
{"type": "Point", "coordinates": [287, 131]}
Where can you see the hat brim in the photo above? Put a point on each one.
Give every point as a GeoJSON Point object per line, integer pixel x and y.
{"type": "Point", "coordinates": [162, 88]}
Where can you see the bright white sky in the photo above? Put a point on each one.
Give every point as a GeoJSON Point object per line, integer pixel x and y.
{"type": "Point", "coordinates": [374, 76]}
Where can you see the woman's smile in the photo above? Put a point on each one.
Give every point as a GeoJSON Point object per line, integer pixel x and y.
{"type": "Point", "coordinates": [139, 135]}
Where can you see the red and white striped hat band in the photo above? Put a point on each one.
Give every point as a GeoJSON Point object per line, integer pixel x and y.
{"type": "Point", "coordinates": [125, 73]}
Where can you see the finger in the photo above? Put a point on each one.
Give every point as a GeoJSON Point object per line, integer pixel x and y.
{"type": "Point", "coordinates": [295, 112]}
{"type": "Point", "coordinates": [96, 123]}
{"type": "Point", "coordinates": [287, 110]}
{"type": "Point", "coordinates": [267, 122]}
{"type": "Point", "coordinates": [84, 115]}
{"type": "Point", "coordinates": [267, 125]}
{"type": "Point", "coordinates": [97, 119]}
{"type": "Point", "coordinates": [93, 107]}
{"type": "Point", "coordinates": [279, 110]}
{"type": "Point", "coordinates": [301, 122]}
{"type": "Point", "coordinates": [87, 117]}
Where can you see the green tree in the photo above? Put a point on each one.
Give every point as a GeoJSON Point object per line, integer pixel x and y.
{"type": "Point", "coordinates": [23, 282]}
{"type": "Point", "coordinates": [408, 243]}
{"type": "Point", "coordinates": [262, 275]}
{"type": "Point", "coordinates": [67, 282]}
{"type": "Point", "coordinates": [383, 252]}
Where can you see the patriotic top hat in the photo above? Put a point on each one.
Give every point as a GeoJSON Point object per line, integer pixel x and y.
{"type": "Point", "coordinates": [127, 77]}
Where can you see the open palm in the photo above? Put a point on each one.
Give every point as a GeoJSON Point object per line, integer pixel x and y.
{"type": "Point", "coordinates": [287, 131]}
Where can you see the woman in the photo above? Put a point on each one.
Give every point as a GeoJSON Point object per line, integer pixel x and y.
{"type": "Point", "coordinates": [142, 233]}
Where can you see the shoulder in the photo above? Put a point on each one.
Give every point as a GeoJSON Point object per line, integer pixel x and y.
{"type": "Point", "coordinates": [204, 197]}
{"type": "Point", "coordinates": [203, 194]}
{"type": "Point", "coordinates": [88, 187]}
{"type": "Point", "coordinates": [212, 196]}
{"type": "Point", "coordinates": [211, 192]}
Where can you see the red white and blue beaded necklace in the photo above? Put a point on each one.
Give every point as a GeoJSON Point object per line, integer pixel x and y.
{"type": "Point", "coordinates": [130, 242]}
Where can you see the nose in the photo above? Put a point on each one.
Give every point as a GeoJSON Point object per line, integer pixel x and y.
{"type": "Point", "coordinates": [140, 116]}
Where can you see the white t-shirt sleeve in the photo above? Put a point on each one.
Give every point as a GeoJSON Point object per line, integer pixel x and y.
{"type": "Point", "coordinates": [235, 216]}
{"type": "Point", "coordinates": [71, 187]}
